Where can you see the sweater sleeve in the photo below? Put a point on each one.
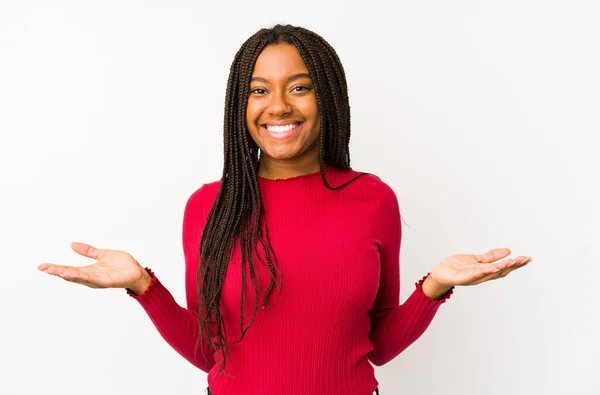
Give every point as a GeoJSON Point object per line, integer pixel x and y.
{"type": "Point", "coordinates": [396, 326]}
{"type": "Point", "coordinates": [176, 324]}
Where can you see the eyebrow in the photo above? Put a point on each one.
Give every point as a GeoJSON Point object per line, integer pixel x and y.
{"type": "Point", "coordinates": [290, 78]}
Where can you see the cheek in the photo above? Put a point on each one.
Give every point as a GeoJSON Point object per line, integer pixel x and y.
{"type": "Point", "coordinates": [253, 111]}
{"type": "Point", "coordinates": [250, 129]}
{"type": "Point", "coordinates": [250, 117]}
{"type": "Point", "coordinates": [312, 112]}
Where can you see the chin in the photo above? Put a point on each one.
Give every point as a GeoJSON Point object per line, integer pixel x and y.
{"type": "Point", "coordinates": [283, 154]}
{"type": "Point", "coordinates": [286, 150]}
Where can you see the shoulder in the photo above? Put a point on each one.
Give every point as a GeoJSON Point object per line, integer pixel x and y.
{"type": "Point", "coordinates": [373, 184]}
{"type": "Point", "coordinates": [203, 197]}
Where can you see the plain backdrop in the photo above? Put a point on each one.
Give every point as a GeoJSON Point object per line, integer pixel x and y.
{"type": "Point", "coordinates": [482, 115]}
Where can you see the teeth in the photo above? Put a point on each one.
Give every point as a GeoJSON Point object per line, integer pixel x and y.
{"type": "Point", "coordinates": [280, 129]}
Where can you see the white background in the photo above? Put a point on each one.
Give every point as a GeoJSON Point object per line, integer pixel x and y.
{"type": "Point", "coordinates": [482, 115]}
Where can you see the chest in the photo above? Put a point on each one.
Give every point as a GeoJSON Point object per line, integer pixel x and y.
{"type": "Point", "coordinates": [326, 259]}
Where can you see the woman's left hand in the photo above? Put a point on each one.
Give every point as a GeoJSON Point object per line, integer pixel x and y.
{"type": "Point", "coordinates": [466, 269]}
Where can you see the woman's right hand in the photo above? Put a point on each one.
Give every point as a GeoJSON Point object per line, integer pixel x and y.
{"type": "Point", "coordinates": [113, 269]}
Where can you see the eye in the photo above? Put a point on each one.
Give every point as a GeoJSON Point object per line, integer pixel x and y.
{"type": "Point", "coordinates": [258, 91]}
{"type": "Point", "coordinates": [300, 88]}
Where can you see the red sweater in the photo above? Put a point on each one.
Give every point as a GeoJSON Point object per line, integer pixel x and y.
{"type": "Point", "coordinates": [338, 310]}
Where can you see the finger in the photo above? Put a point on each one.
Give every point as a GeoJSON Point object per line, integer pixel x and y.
{"type": "Point", "coordinates": [476, 273]}
{"type": "Point", "coordinates": [52, 268]}
{"type": "Point", "coordinates": [488, 277]}
{"type": "Point", "coordinates": [519, 264]}
{"type": "Point", "coordinates": [66, 272]}
{"type": "Point", "coordinates": [87, 284]}
{"type": "Point", "coordinates": [85, 274]}
{"type": "Point", "coordinates": [87, 250]}
{"type": "Point", "coordinates": [79, 280]}
{"type": "Point", "coordinates": [504, 272]}
{"type": "Point", "coordinates": [44, 266]}
{"type": "Point", "coordinates": [493, 255]}
{"type": "Point", "coordinates": [511, 262]}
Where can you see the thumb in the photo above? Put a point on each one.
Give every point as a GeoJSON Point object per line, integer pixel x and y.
{"type": "Point", "coordinates": [87, 250]}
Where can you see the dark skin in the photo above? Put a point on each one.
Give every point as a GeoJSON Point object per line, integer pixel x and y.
{"type": "Point", "coordinates": [282, 93]}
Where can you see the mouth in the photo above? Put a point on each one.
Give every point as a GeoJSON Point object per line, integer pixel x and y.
{"type": "Point", "coordinates": [282, 131]}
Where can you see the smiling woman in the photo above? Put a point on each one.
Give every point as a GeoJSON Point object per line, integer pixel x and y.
{"type": "Point", "coordinates": [326, 235]}
{"type": "Point", "coordinates": [282, 113]}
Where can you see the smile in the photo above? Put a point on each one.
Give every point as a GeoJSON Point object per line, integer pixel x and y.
{"type": "Point", "coordinates": [282, 131]}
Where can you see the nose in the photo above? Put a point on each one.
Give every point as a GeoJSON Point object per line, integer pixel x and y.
{"type": "Point", "coordinates": [279, 105]}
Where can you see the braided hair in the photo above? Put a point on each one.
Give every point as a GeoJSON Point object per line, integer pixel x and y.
{"type": "Point", "coordinates": [237, 210]}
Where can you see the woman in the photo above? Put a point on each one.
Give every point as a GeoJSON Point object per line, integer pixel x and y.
{"type": "Point", "coordinates": [296, 216]}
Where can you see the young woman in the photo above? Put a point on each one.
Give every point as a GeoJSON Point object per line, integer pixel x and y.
{"type": "Point", "coordinates": [289, 212]}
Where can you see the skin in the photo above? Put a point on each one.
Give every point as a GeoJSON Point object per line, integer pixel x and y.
{"type": "Point", "coordinates": [281, 92]}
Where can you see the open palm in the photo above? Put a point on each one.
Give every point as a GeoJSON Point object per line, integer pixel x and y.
{"type": "Point", "coordinates": [113, 269]}
{"type": "Point", "coordinates": [466, 269]}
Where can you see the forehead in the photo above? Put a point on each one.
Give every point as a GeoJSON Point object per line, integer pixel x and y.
{"type": "Point", "coordinates": [279, 61]}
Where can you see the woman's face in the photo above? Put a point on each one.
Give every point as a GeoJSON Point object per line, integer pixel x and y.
{"type": "Point", "coordinates": [282, 115]}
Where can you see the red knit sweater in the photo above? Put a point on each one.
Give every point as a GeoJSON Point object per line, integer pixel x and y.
{"type": "Point", "coordinates": [338, 309]}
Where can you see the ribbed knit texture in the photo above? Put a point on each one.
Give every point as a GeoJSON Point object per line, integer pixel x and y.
{"type": "Point", "coordinates": [338, 313]}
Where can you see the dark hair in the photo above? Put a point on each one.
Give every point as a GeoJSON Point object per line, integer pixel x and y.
{"type": "Point", "coordinates": [237, 210]}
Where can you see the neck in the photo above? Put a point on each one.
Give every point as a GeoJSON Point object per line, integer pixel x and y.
{"type": "Point", "coordinates": [272, 168]}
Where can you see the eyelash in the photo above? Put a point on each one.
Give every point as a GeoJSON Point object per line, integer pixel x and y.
{"type": "Point", "coordinates": [304, 89]}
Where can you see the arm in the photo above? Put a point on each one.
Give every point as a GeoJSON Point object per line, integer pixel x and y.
{"type": "Point", "coordinates": [396, 326]}
{"type": "Point", "coordinates": [176, 324]}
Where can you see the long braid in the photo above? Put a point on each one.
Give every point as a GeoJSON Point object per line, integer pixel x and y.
{"type": "Point", "coordinates": [237, 214]}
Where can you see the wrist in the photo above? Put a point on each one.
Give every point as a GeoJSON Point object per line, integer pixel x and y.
{"type": "Point", "coordinates": [142, 284]}
{"type": "Point", "coordinates": [434, 290]}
